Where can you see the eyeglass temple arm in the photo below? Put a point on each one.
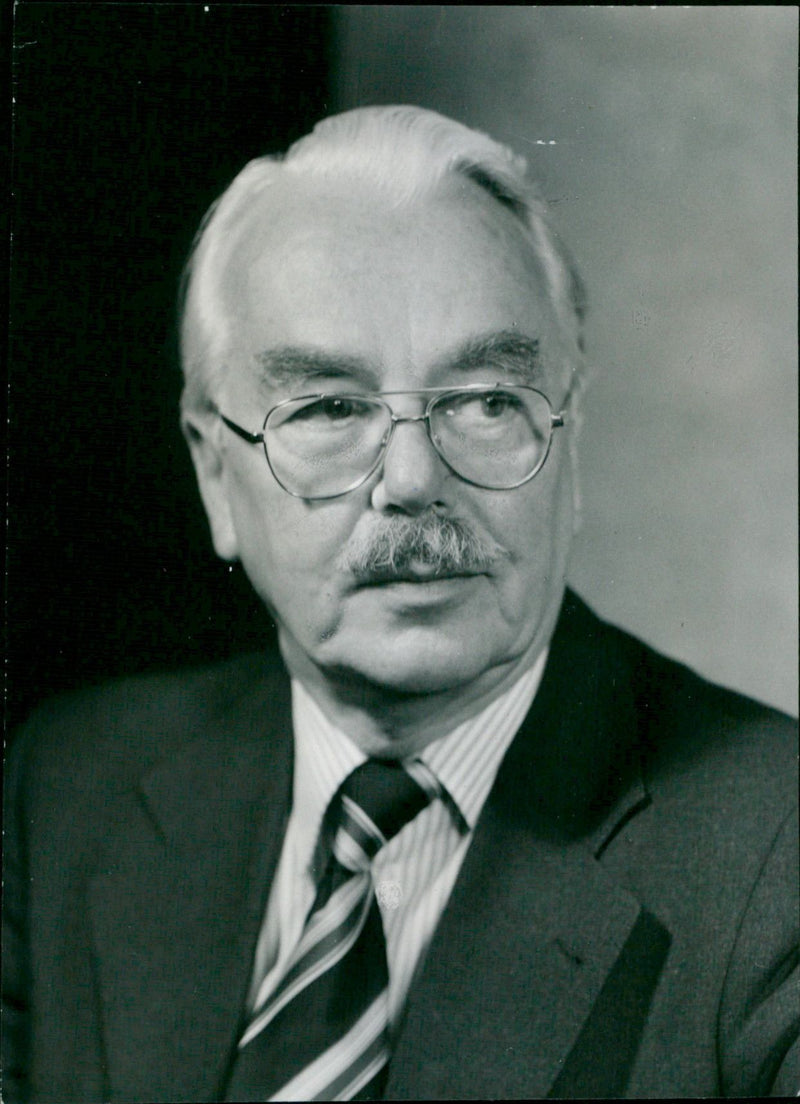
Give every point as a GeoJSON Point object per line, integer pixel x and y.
{"type": "Point", "coordinates": [245, 434]}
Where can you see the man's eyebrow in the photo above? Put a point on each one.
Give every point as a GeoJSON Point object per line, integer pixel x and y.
{"type": "Point", "coordinates": [505, 350]}
{"type": "Point", "coordinates": [292, 364]}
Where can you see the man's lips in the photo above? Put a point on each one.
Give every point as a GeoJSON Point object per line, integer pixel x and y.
{"type": "Point", "coordinates": [419, 574]}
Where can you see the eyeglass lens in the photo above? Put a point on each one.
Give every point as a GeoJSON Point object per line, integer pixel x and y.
{"type": "Point", "coordinates": [324, 446]}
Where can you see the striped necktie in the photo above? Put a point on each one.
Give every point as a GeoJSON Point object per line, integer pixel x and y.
{"type": "Point", "coordinates": [323, 1032]}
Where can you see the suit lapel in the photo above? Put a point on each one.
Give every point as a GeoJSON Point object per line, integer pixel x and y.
{"type": "Point", "coordinates": [541, 959]}
{"type": "Point", "coordinates": [538, 952]}
{"type": "Point", "coordinates": [512, 974]}
{"type": "Point", "coordinates": [177, 915]}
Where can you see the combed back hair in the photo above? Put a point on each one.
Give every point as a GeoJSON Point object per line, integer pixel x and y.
{"type": "Point", "coordinates": [400, 152]}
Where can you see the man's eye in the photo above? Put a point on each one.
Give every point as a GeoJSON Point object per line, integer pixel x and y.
{"type": "Point", "coordinates": [332, 408]}
{"type": "Point", "coordinates": [484, 406]}
{"type": "Point", "coordinates": [499, 403]}
{"type": "Point", "coordinates": [337, 409]}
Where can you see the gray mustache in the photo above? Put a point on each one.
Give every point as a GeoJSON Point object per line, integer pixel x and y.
{"type": "Point", "coordinates": [398, 544]}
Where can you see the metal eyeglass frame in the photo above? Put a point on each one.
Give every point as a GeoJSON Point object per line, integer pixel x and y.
{"type": "Point", "coordinates": [436, 393]}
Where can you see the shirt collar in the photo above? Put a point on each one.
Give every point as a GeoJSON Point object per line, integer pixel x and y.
{"type": "Point", "coordinates": [464, 761]}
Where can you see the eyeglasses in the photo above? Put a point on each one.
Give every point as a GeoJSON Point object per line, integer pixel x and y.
{"type": "Point", "coordinates": [322, 446]}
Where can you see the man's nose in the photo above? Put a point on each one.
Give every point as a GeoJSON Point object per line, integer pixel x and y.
{"type": "Point", "coordinates": [412, 473]}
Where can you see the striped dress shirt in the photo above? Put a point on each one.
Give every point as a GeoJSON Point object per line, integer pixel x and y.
{"type": "Point", "coordinates": [415, 872]}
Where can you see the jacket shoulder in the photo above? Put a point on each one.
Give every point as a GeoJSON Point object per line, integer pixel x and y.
{"type": "Point", "coordinates": [678, 720]}
{"type": "Point", "coordinates": [104, 736]}
{"type": "Point", "coordinates": [735, 748]}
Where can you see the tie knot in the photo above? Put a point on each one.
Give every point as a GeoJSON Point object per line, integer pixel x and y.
{"type": "Point", "coordinates": [375, 802]}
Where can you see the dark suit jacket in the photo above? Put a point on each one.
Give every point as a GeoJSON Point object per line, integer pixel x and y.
{"type": "Point", "coordinates": [624, 922]}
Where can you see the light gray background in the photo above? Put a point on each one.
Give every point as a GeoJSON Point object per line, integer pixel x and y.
{"type": "Point", "coordinates": [666, 140]}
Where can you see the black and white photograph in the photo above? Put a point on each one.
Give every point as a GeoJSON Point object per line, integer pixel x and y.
{"type": "Point", "coordinates": [401, 602]}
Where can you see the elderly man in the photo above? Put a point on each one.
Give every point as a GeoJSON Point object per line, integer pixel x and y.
{"type": "Point", "coordinates": [463, 839]}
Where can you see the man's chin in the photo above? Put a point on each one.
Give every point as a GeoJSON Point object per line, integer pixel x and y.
{"type": "Point", "coordinates": [410, 668]}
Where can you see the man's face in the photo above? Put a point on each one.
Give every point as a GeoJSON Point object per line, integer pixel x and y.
{"type": "Point", "coordinates": [387, 299]}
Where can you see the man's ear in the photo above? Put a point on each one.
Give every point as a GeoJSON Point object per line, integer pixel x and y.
{"type": "Point", "coordinates": [209, 465]}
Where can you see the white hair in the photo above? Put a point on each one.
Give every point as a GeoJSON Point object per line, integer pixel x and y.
{"type": "Point", "coordinates": [402, 152]}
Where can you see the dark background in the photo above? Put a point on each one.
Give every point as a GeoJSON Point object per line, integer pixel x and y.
{"type": "Point", "coordinates": [128, 121]}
